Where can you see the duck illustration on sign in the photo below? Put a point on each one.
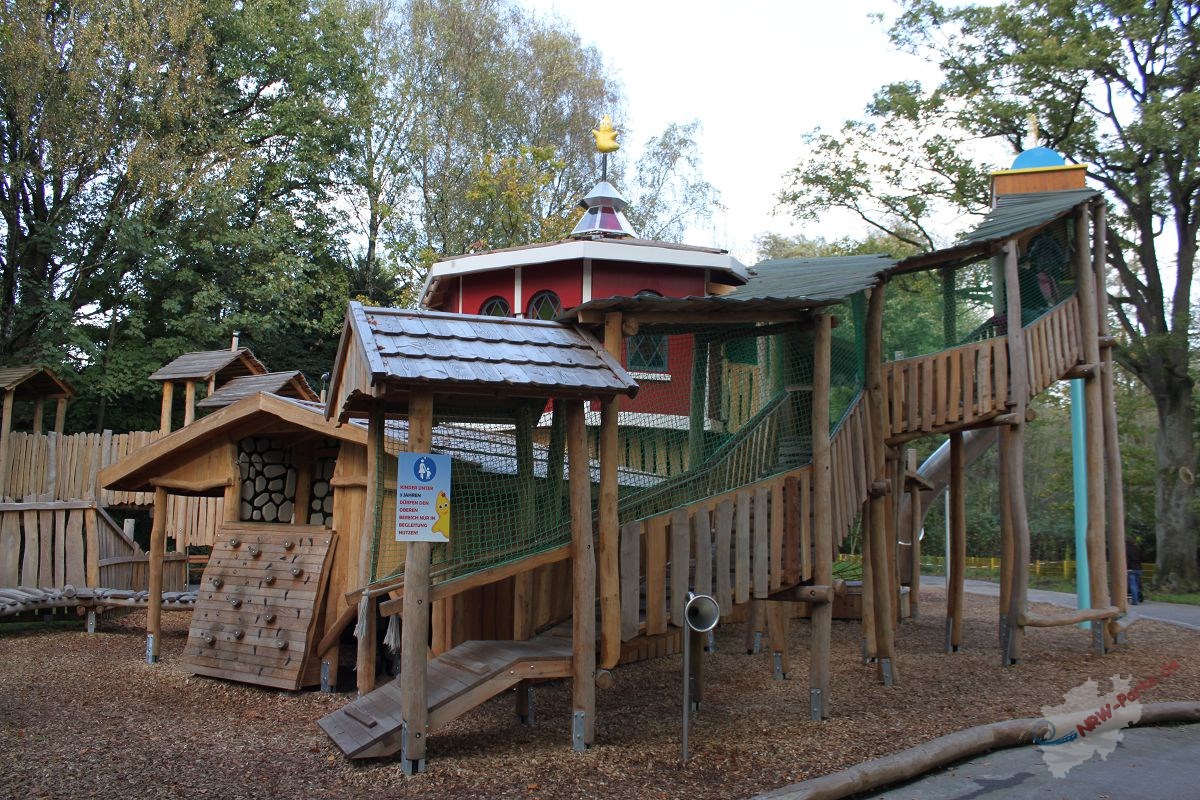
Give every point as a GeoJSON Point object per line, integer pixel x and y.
{"type": "Point", "coordinates": [422, 498]}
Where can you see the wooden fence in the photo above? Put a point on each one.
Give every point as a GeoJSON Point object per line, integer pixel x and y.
{"type": "Point", "coordinates": [55, 543]}
{"type": "Point", "coordinates": [53, 467]}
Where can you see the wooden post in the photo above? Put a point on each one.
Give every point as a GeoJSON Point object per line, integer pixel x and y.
{"type": "Point", "coordinates": [779, 614]}
{"type": "Point", "coordinates": [1014, 464]}
{"type": "Point", "coordinates": [189, 403]}
{"type": "Point", "coordinates": [1086, 278]}
{"type": "Point", "coordinates": [1007, 537]}
{"type": "Point", "coordinates": [158, 546]}
{"type": "Point", "coordinates": [5, 431]}
{"type": "Point", "coordinates": [869, 651]}
{"type": "Point", "coordinates": [414, 658]}
{"type": "Point", "coordinates": [958, 545]}
{"type": "Point", "coordinates": [60, 415]}
{"type": "Point", "coordinates": [881, 571]}
{"type": "Point", "coordinates": [610, 533]}
{"type": "Point", "coordinates": [822, 464]}
{"type": "Point", "coordinates": [583, 564]}
{"type": "Point", "coordinates": [38, 406]}
{"type": "Point", "coordinates": [696, 410]}
{"type": "Point", "coordinates": [914, 537]}
{"type": "Point", "coordinates": [164, 418]}
{"type": "Point", "coordinates": [365, 657]}
{"type": "Point", "coordinates": [1118, 577]}
{"type": "Point", "coordinates": [527, 487]}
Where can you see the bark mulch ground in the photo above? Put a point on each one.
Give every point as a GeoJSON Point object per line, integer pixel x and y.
{"type": "Point", "coordinates": [83, 716]}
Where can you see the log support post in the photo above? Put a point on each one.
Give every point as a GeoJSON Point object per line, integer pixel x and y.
{"type": "Point", "coordinates": [189, 403]}
{"type": "Point", "coordinates": [158, 545]}
{"type": "Point", "coordinates": [371, 527]}
{"type": "Point", "coordinates": [38, 410]}
{"type": "Point", "coordinates": [5, 431]}
{"type": "Point", "coordinates": [583, 564]}
{"type": "Point", "coordinates": [60, 415]}
{"type": "Point", "coordinates": [882, 571]}
{"type": "Point", "coordinates": [1012, 461]}
{"type": "Point", "coordinates": [610, 578]}
{"type": "Point", "coordinates": [1118, 575]}
{"type": "Point", "coordinates": [164, 417]}
{"type": "Point", "coordinates": [414, 652]}
{"type": "Point", "coordinates": [958, 545]}
{"type": "Point", "coordinates": [523, 589]}
{"type": "Point", "coordinates": [822, 615]}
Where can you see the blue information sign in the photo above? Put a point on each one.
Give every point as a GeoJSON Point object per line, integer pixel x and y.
{"type": "Point", "coordinates": [423, 498]}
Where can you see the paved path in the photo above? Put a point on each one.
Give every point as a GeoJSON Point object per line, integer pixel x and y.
{"type": "Point", "coordinates": [1162, 762]}
{"type": "Point", "coordinates": [1175, 613]}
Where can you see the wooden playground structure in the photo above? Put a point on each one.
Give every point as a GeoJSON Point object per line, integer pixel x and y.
{"type": "Point", "coordinates": [579, 526]}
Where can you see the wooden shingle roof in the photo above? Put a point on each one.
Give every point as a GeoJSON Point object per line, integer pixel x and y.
{"type": "Point", "coordinates": [284, 384]}
{"type": "Point", "coordinates": [34, 381]}
{"type": "Point", "coordinates": [224, 364]}
{"type": "Point", "coordinates": [386, 352]}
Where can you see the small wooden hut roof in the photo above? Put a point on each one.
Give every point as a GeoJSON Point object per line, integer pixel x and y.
{"type": "Point", "coordinates": [386, 352]}
{"type": "Point", "coordinates": [284, 384]}
{"type": "Point", "coordinates": [137, 471]}
{"type": "Point", "coordinates": [225, 365]}
{"type": "Point", "coordinates": [33, 382]}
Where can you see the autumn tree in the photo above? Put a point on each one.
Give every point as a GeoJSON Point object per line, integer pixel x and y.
{"type": "Point", "coordinates": [1114, 86]}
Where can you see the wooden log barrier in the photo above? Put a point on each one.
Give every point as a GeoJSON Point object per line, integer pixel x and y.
{"type": "Point", "coordinates": [1033, 620]}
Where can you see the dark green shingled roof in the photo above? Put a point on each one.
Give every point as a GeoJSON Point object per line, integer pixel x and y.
{"type": "Point", "coordinates": [815, 280]}
{"type": "Point", "coordinates": [1017, 213]}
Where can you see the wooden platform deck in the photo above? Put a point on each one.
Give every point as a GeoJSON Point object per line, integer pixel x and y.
{"type": "Point", "coordinates": [459, 680]}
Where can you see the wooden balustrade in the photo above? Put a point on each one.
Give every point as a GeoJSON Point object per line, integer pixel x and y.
{"type": "Point", "coordinates": [53, 467]}
{"type": "Point", "coordinates": [955, 388]}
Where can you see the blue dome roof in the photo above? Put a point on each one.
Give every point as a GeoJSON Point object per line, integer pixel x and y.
{"type": "Point", "coordinates": [1038, 157]}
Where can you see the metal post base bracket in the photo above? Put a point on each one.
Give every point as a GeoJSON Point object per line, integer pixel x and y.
{"type": "Point", "coordinates": [756, 647]}
{"type": "Point", "coordinates": [408, 765]}
{"type": "Point", "coordinates": [885, 672]}
{"type": "Point", "coordinates": [150, 657]}
{"type": "Point", "coordinates": [1098, 637]}
{"type": "Point", "coordinates": [778, 671]}
{"type": "Point", "coordinates": [815, 704]}
{"type": "Point", "coordinates": [326, 685]}
{"type": "Point", "coordinates": [578, 726]}
{"type": "Point", "coordinates": [91, 622]}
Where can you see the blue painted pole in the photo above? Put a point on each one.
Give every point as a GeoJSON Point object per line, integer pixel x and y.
{"type": "Point", "coordinates": [1079, 462]}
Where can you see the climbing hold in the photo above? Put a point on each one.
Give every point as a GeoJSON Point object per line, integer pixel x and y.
{"type": "Point", "coordinates": [217, 582]}
{"type": "Point", "coordinates": [297, 572]}
{"type": "Point", "coordinates": [238, 634]}
{"type": "Point", "coordinates": [288, 544]}
{"type": "Point", "coordinates": [253, 551]}
{"type": "Point", "coordinates": [209, 639]}
{"type": "Point", "coordinates": [269, 580]}
{"type": "Point", "coordinates": [269, 618]}
{"type": "Point", "coordinates": [281, 644]}
{"type": "Point", "coordinates": [235, 542]}
{"type": "Point", "coordinates": [236, 602]}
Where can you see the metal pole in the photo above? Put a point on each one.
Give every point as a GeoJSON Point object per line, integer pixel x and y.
{"type": "Point", "coordinates": [686, 633]}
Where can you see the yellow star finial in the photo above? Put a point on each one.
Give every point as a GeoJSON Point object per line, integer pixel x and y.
{"type": "Point", "coordinates": [606, 136]}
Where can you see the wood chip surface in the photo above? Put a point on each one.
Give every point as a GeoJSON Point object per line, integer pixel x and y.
{"type": "Point", "coordinates": [84, 716]}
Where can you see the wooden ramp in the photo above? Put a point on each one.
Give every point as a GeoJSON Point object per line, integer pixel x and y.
{"type": "Point", "coordinates": [256, 608]}
{"type": "Point", "coordinates": [459, 680]}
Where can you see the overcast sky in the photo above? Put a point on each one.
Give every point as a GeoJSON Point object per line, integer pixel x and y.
{"type": "Point", "coordinates": [756, 74]}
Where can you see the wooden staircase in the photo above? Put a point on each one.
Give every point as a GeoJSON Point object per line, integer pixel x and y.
{"type": "Point", "coordinates": [458, 681]}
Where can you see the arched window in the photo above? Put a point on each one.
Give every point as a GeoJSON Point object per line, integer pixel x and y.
{"type": "Point", "coordinates": [544, 305]}
{"type": "Point", "coordinates": [495, 307]}
{"type": "Point", "coordinates": [647, 351]}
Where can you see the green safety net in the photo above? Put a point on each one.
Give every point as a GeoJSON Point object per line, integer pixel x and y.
{"type": "Point", "coordinates": [718, 407]}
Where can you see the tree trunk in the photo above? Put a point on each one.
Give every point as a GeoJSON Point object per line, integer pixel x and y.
{"type": "Point", "coordinates": [1175, 486]}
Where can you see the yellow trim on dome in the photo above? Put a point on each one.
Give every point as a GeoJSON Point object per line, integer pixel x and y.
{"type": "Point", "coordinates": [1026, 170]}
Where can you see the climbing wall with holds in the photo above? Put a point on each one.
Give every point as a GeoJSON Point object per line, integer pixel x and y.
{"type": "Point", "coordinates": [256, 607]}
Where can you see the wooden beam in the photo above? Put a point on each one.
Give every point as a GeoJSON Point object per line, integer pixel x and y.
{"type": "Point", "coordinates": [1118, 577]}
{"type": "Point", "coordinates": [880, 587]}
{"type": "Point", "coordinates": [201, 488]}
{"type": "Point", "coordinates": [158, 546]}
{"type": "Point", "coordinates": [365, 657]}
{"type": "Point", "coordinates": [1015, 462]}
{"type": "Point", "coordinates": [1081, 371]}
{"type": "Point", "coordinates": [822, 462]}
{"type": "Point", "coordinates": [610, 533]}
{"type": "Point", "coordinates": [1033, 620]}
{"type": "Point", "coordinates": [60, 415]}
{"type": "Point", "coordinates": [523, 590]}
{"type": "Point", "coordinates": [5, 431]}
{"type": "Point", "coordinates": [38, 407]}
{"type": "Point", "coordinates": [583, 607]}
{"type": "Point", "coordinates": [164, 418]}
{"type": "Point", "coordinates": [414, 655]}
{"type": "Point", "coordinates": [189, 403]}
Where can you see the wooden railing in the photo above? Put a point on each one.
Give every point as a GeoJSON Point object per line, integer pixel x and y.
{"type": "Point", "coordinates": [55, 543]}
{"type": "Point", "coordinates": [954, 388]}
{"type": "Point", "coordinates": [740, 544]}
